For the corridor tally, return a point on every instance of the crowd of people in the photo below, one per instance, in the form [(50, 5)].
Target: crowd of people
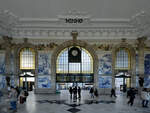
[(75, 92), (16, 96), (93, 92)]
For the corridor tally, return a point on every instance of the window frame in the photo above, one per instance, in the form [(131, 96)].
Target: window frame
[(75, 72), (20, 56), (129, 59)]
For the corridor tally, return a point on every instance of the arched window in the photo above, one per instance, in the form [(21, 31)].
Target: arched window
[(80, 71), (123, 59), (27, 59), (85, 66)]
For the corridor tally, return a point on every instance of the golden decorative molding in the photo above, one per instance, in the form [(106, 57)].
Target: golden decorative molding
[(47, 46), (105, 47)]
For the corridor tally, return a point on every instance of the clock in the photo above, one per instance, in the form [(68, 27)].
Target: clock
[(74, 52), (74, 55)]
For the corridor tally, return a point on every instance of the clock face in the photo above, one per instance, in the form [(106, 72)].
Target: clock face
[(74, 52)]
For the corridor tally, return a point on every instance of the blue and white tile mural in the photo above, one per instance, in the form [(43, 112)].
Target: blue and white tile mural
[(44, 59), (2, 62), (105, 81), (105, 64), (44, 82), (2, 81), (137, 63), (12, 63), (12, 80), (147, 81), (147, 64)]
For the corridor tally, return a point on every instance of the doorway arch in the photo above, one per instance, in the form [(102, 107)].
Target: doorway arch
[(130, 69), (81, 44)]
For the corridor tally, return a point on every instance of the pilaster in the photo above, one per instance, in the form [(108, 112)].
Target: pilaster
[(7, 46), (141, 45)]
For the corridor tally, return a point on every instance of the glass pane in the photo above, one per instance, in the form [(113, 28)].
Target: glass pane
[(122, 59), (27, 59), (86, 65)]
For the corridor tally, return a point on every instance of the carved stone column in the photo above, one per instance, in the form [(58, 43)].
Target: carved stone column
[(113, 68), (141, 46), (16, 74), (7, 46)]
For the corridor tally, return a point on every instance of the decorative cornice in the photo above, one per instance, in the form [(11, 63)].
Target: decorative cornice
[(84, 32), (60, 29), (141, 21), (7, 22)]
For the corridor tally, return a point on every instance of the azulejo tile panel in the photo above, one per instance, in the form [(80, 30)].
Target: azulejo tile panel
[(2, 62), (12, 80), (137, 63), (147, 81), (12, 63), (44, 81), (105, 64), (147, 64), (44, 61), (2, 81), (105, 81)]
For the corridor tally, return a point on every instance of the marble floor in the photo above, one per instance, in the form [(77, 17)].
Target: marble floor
[(61, 103)]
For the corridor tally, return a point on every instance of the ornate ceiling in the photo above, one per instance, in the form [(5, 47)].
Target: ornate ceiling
[(55, 19)]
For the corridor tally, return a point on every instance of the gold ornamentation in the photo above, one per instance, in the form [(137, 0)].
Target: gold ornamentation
[(106, 47), (48, 46)]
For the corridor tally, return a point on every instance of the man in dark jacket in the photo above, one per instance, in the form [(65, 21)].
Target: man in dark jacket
[(79, 92), (70, 91), (132, 96), (113, 92)]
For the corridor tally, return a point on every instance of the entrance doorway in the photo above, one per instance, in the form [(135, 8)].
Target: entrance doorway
[(65, 86), (27, 81), (122, 82), (74, 68)]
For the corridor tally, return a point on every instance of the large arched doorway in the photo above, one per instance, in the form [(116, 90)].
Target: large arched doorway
[(122, 65), (81, 45), (27, 68), (74, 66)]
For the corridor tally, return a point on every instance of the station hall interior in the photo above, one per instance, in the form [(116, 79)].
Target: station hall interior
[(75, 56)]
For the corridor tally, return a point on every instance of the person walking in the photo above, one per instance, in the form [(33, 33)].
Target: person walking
[(113, 92), (70, 91), (148, 98), (92, 92), (145, 97), (75, 93), (96, 92), (79, 93), (132, 97), (13, 99), (129, 93), (22, 97), (18, 91), (1, 94)]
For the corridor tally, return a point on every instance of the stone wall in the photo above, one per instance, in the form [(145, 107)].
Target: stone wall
[(46, 55)]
